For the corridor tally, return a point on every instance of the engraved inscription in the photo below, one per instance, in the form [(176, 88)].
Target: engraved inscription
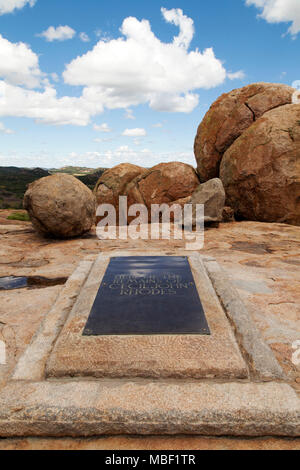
[(167, 284), (142, 295)]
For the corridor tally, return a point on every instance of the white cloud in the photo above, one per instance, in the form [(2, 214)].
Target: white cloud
[(95, 159), (8, 6), (138, 68), (18, 64), (158, 125), (185, 24), (4, 129), (167, 102), (240, 75), (45, 107), (277, 11), (61, 33), (124, 153), (84, 37), (102, 128), (131, 70), (134, 132)]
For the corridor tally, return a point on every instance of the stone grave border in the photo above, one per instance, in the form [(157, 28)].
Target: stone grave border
[(262, 405), (149, 356)]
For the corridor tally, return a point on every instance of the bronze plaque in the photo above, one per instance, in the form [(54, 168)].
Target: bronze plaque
[(147, 295)]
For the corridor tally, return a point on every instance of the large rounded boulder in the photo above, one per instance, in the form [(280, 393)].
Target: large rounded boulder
[(164, 183), (60, 206), (261, 169), (113, 182), (231, 115)]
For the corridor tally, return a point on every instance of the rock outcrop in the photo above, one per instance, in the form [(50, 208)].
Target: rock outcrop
[(261, 169), (163, 184), (60, 206), (231, 115)]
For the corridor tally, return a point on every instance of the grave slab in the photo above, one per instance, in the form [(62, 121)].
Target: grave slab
[(147, 295), (173, 355)]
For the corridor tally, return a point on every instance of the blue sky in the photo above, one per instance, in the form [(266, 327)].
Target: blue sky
[(94, 83)]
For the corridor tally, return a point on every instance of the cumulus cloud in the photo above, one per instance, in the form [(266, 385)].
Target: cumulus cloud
[(185, 24), (277, 11), (61, 33), (134, 132), (102, 127), (8, 6), (46, 107), (138, 68), (18, 64)]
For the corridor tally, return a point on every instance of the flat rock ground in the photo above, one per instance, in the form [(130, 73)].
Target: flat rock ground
[(262, 260)]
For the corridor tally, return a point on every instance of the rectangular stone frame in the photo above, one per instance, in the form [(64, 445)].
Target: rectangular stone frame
[(185, 356)]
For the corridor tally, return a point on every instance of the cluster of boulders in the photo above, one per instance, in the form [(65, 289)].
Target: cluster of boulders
[(247, 150), (250, 139), (166, 183)]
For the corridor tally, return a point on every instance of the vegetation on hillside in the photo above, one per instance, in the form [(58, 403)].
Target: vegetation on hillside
[(13, 184), (91, 179), (14, 181)]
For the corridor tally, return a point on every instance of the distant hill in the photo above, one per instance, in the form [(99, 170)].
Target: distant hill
[(73, 170), (91, 179), (14, 181), (13, 184)]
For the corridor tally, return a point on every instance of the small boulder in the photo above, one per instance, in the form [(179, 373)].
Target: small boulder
[(212, 195), (228, 214), (261, 170), (60, 205), (231, 115)]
